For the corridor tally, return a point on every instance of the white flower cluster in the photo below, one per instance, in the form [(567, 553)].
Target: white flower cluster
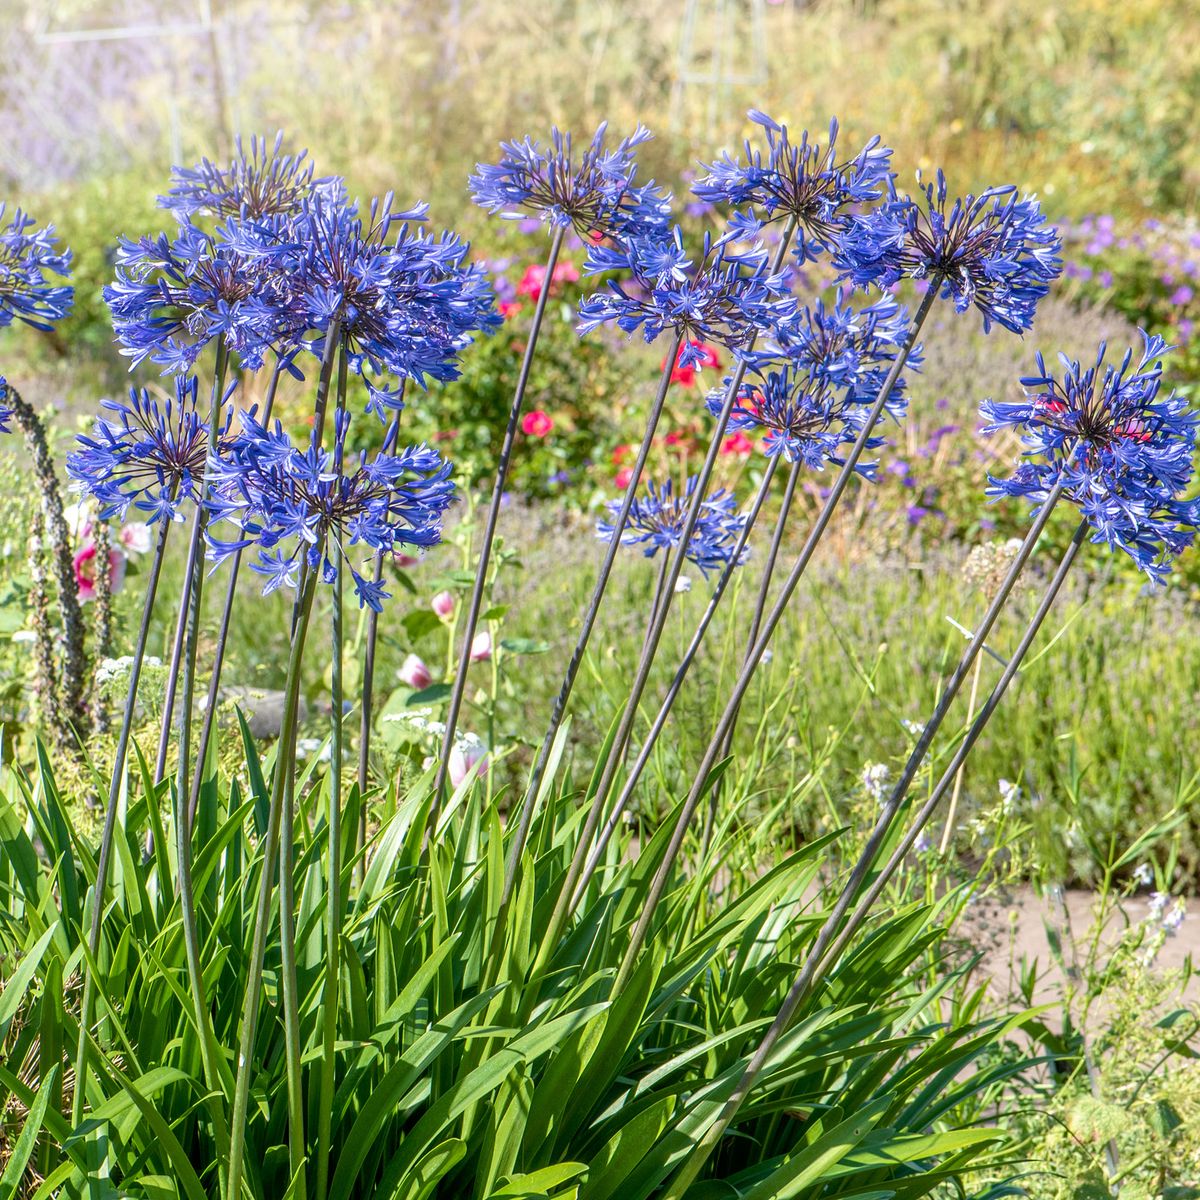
[(112, 669), (874, 780)]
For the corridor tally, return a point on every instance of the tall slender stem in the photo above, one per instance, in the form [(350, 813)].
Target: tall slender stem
[(822, 953), (214, 683), (368, 686), (493, 516), (700, 784), (104, 861), (952, 811), (329, 999), (643, 758), (192, 582), (589, 622), (284, 770), (760, 605)]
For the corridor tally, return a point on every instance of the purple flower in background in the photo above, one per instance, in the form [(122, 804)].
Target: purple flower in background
[(657, 518), (150, 456), (722, 295), (993, 251), (297, 507), (5, 412), (594, 194), (803, 180), (259, 182), (28, 257), (1125, 453)]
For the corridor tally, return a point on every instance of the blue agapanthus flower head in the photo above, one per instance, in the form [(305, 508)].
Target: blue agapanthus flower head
[(994, 251), (657, 519), (850, 348), (28, 259), (297, 506), (804, 180), (259, 181), (173, 296), (810, 389), (147, 455), (593, 193), (5, 411), (405, 302), (1125, 452), (721, 295)]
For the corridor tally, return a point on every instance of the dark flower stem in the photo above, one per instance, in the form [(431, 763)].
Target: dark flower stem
[(493, 516), (709, 761), (589, 622), (71, 679), (104, 860), (189, 601), (284, 772), (823, 953), (643, 758), (368, 685), (760, 606), (656, 601), (332, 974), (214, 683)]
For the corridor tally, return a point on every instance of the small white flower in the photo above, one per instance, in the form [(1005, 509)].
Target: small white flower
[(1173, 919), (25, 636), (1009, 793), (874, 780), (1158, 904), (1143, 875), (767, 655), (915, 728), (682, 584)]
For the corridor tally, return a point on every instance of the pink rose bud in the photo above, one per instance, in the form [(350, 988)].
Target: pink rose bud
[(481, 647), (415, 673), (463, 759), (443, 605)]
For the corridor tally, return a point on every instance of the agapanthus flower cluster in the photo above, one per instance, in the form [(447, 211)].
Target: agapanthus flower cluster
[(722, 295), (994, 251), (802, 180), (257, 183), (296, 507), (6, 412), (657, 518), (405, 301), (28, 257), (596, 195), (150, 456), (174, 295), (1124, 452), (809, 391)]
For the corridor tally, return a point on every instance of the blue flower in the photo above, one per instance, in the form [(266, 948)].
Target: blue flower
[(406, 301), (594, 196), (297, 507), (656, 521), (257, 183), (6, 413), (173, 296), (804, 181), (1124, 452), (723, 295), (26, 259), (151, 456), (811, 387), (994, 251)]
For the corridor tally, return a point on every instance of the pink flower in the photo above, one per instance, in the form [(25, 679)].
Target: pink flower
[(624, 475), (404, 560), (85, 571), (443, 605), (464, 758), (565, 272), (737, 443), (509, 308), (135, 538), (537, 423), (415, 673), (481, 647)]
